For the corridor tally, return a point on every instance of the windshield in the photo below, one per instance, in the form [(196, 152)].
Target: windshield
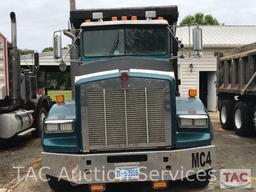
[(132, 40)]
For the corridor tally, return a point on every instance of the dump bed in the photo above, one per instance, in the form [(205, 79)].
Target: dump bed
[(3, 67), (237, 71)]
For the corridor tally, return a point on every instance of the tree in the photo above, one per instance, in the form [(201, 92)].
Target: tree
[(200, 19), (47, 49), (26, 51)]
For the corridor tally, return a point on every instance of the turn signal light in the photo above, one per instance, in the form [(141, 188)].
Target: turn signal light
[(160, 185), (97, 188), (192, 92), (60, 99)]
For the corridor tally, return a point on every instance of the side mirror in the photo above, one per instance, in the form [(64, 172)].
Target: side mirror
[(57, 45), (197, 39)]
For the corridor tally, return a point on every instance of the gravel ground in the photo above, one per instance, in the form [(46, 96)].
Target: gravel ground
[(231, 152), (19, 152)]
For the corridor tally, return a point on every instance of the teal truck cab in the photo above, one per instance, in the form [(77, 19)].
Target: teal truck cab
[(126, 122)]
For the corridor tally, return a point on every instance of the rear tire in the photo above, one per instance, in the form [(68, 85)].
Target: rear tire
[(225, 114), (58, 185), (243, 119)]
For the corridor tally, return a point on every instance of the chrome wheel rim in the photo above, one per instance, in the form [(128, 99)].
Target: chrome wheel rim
[(41, 121), (223, 114), (238, 119)]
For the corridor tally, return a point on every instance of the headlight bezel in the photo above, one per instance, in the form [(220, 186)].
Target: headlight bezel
[(58, 128), (193, 119)]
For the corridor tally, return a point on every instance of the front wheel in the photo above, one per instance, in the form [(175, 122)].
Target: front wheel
[(58, 185), (200, 180), (242, 120), (254, 118), (40, 122)]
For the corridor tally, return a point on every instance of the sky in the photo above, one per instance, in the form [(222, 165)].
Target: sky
[(38, 19)]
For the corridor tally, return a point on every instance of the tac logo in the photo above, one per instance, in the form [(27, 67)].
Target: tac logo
[(235, 178)]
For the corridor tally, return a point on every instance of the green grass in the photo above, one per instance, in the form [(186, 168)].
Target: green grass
[(67, 94)]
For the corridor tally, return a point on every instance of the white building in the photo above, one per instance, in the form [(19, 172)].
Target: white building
[(200, 73)]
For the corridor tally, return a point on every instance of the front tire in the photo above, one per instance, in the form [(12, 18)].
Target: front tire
[(242, 120), (254, 118), (58, 185), (42, 114), (225, 114), (200, 180)]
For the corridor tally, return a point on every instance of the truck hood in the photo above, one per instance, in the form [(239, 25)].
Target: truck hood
[(122, 63)]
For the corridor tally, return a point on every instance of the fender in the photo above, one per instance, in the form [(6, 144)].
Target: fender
[(190, 106), (186, 138)]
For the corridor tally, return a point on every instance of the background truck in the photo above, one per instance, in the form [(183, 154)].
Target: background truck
[(236, 89), (23, 108), (126, 119)]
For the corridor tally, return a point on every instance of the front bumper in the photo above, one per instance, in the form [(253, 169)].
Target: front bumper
[(153, 165)]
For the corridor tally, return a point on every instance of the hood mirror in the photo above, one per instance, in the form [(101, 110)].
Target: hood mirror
[(63, 66)]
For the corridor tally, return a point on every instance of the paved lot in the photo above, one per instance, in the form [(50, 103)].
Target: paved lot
[(232, 152)]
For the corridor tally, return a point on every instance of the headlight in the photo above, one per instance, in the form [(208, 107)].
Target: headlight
[(193, 121), (59, 126)]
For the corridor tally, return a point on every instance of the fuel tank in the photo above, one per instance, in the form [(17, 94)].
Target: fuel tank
[(14, 122)]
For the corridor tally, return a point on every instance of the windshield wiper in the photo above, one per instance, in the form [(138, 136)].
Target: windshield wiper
[(115, 46)]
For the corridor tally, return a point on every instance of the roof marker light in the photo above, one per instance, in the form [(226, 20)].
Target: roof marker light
[(124, 18), (114, 18), (134, 18)]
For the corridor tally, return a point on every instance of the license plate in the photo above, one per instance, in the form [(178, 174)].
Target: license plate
[(127, 173)]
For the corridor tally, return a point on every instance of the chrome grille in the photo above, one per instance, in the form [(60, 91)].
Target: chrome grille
[(127, 118)]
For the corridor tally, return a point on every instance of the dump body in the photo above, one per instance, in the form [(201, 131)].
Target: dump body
[(4, 83), (236, 89), (236, 71)]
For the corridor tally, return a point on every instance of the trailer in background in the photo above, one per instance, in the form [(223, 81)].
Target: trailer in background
[(236, 89), (23, 106)]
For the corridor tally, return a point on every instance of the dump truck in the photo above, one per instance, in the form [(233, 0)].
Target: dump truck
[(236, 89), (23, 107), (126, 119)]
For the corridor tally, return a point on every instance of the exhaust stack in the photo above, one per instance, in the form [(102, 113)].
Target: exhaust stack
[(72, 5), (13, 29), (15, 61)]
